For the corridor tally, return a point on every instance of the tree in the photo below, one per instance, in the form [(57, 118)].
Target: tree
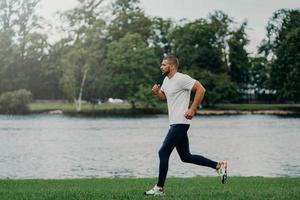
[(27, 22), (282, 22), (259, 75), (85, 50), (219, 87), (160, 38), (21, 17), (221, 23), (8, 10), (281, 47), (201, 43), (238, 58), (80, 61), (128, 17), (7, 59), (131, 64), (286, 68), (203, 49), (24, 47), (51, 73)]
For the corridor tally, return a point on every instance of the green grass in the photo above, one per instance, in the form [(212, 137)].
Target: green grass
[(94, 109), (177, 188), (125, 109), (68, 107)]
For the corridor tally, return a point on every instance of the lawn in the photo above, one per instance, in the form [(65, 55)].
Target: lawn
[(69, 107), (125, 108), (132, 188), (95, 109)]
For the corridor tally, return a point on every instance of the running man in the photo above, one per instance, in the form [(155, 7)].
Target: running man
[(176, 89)]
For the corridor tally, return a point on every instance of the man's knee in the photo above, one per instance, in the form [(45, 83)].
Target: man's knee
[(163, 153), (186, 158)]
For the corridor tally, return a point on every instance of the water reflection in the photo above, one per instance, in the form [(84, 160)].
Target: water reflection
[(43, 146)]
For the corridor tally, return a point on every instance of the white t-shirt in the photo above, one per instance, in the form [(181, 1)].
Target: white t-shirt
[(178, 92)]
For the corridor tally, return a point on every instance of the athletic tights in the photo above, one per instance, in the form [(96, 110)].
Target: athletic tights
[(177, 137)]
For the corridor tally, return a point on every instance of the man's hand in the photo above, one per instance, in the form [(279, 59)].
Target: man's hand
[(157, 92), (190, 113), (156, 89), (200, 91)]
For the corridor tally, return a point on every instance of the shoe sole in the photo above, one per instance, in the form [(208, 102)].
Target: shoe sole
[(154, 194), (162, 194), (224, 178)]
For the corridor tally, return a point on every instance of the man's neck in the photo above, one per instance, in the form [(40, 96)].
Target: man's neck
[(171, 74)]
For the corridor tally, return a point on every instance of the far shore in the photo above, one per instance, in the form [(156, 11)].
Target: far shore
[(247, 112), (107, 109), (199, 112)]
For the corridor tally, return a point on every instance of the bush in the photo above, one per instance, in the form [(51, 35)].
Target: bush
[(15, 102), (219, 87)]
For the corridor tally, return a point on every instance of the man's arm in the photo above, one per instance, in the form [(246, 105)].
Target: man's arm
[(157, 92), (199, 94)]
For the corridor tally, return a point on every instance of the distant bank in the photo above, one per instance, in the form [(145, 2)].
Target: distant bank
[(248, 112), (109, 109)]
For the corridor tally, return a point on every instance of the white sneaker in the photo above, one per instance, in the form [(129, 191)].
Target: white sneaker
[(222, 171), (155, 191)]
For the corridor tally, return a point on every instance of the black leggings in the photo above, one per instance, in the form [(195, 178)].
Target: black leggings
[(177, 137)]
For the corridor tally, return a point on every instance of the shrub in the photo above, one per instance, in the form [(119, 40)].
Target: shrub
[(15, 102)]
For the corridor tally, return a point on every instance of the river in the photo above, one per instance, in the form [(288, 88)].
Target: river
[(57, 146)]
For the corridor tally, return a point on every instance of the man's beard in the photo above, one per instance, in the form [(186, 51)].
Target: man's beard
[(165, 72)]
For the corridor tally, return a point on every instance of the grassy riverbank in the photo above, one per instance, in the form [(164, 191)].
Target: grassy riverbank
[(94, 109), (177, 188), (125, 108), (255, 107)]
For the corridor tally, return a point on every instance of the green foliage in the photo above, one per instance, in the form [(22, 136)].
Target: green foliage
[(282, 22), (260, 81), (215, 54), (131, 64), (260, 73), (192, 43), (219, 87), (286, 68), (98, 58), (201, 43), (145, 96), (129, 18), (7, 59), (23, 48), (82, 62), (15, 102), (282, 46), (238, 57), (160, 38)]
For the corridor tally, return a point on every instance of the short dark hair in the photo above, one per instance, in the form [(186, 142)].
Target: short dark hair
[(172, 58)]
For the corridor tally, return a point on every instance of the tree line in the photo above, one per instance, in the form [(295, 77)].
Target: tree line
[(116, 52)]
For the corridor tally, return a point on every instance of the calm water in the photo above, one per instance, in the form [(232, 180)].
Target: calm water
[(44, 146)]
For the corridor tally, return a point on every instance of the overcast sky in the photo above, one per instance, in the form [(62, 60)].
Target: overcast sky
[(256, 12)]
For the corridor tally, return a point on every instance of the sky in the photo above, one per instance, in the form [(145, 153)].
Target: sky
[(256, 12)]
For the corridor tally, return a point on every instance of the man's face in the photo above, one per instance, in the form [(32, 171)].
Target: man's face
[(165, 67)]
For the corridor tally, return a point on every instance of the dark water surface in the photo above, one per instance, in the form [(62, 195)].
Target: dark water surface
[(45, 146)]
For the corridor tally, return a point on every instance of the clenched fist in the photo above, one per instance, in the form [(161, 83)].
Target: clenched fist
[(155, 89)]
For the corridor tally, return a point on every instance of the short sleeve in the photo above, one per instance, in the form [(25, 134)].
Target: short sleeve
[(186, 82), (162, 88)]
